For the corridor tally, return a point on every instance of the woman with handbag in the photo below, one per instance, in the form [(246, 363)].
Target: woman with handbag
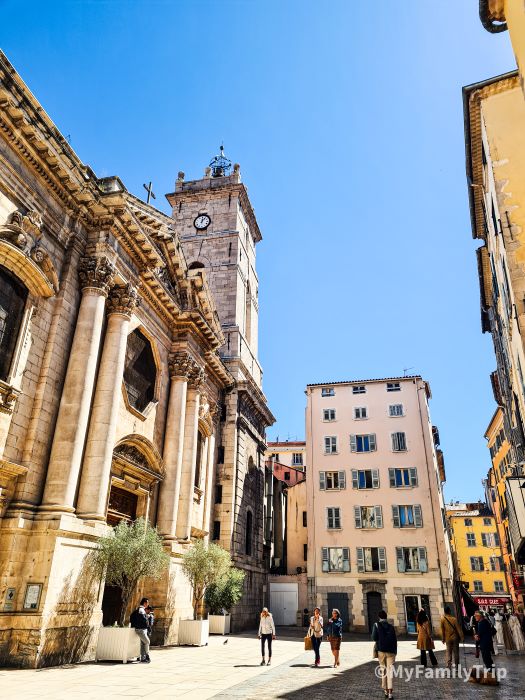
[(335, 634), (424, 639), (316, 633)]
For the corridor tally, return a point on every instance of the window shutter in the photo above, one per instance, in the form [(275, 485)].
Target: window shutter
[(337, 518), (395, 515), (372, 442), (481, 566), (325, 558), (346, 559), (484, 539), (496, 539), (342, 480), (423, 564), (375, 478), (394, 442), (322, 480), (353, 443), (360, 559), (392, 477), (357, 516), (400, 559), (379, 516), (418, 516), (413, 476), (381, 553), (355, 479), (328, 517)]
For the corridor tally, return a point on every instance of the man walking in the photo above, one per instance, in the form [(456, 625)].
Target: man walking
[(139, 620), (484, 637), (384, 635), (451, 636)]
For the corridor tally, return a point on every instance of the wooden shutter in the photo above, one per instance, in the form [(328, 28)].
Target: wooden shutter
[(392, 477), (379, 516), (400, 559), (353, 443), (357, 516), (395, 516), (423, 564), (418, 516), (342, 480), (329, 518), (322, 480), (325, 559), (372, 442), (375, 478), (394, 442), (355, 479), (360, 559), (381, 553), (346, 559), (413, 476), (337, 518)]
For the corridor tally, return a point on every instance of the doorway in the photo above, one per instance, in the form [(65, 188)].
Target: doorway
[(373, 605), (111, 605), (413, 604), (340, 602)]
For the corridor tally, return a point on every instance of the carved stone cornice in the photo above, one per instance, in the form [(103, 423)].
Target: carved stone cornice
[(8, 397), (123, 299), (196, 378), (96, 273), (181, 364)]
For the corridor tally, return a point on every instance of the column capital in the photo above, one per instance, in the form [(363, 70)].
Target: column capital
[(181, 364), (123, 299), (196, 378), (96, 273)]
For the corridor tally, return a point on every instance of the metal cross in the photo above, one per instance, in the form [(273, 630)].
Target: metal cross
[(149, 191)]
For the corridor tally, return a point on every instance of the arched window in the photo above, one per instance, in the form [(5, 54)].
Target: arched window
[(140, 371), (196, 265), (13, 295), (249, 532), (198, 465), (248, 314)]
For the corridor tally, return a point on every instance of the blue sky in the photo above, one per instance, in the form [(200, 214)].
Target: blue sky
[(346, 118)]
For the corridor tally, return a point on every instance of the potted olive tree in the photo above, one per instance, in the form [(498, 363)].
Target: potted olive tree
[(203, 565), (127, 554), (220, 597)]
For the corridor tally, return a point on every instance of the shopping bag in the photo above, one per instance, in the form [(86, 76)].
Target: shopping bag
[(308, 646)]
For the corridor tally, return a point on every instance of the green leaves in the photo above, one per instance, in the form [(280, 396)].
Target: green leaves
[(226, 592), (203, 565)]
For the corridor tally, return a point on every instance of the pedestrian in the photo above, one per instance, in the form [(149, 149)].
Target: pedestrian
[(334, 630), (150, 614), (474, 628), (424, 639), (316, 630), (517, 634), (266, 634), (139, 620), (484, 638), (385, 638), (451, 636)]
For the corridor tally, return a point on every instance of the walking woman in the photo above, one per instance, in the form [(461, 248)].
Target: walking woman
[(335, 634), (316, 630), (266, 634), (424, 639)]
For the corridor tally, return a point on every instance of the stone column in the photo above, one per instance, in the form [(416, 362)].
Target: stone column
[(180, 366), (189, 457), (96, 277), (210, 467), (96, 468)]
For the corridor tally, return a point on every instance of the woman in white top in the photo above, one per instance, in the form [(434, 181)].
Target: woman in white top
[(266, 633), (316, 632)]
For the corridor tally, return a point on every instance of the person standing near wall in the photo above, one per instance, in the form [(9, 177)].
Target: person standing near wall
[(385, 638), (451, 636)]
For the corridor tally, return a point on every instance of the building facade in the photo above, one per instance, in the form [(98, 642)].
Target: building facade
[(289, 453), (121, 393), (376, 524), (476, 549)]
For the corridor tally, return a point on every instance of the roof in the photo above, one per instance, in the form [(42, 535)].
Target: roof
[(287, 443), (368, 381)]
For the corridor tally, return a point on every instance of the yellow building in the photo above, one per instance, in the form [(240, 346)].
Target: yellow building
[(499, 15), (477, 553)]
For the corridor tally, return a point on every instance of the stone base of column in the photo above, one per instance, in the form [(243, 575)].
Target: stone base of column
[(50, 512)]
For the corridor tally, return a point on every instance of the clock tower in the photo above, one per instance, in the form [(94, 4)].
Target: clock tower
[(216, 225)]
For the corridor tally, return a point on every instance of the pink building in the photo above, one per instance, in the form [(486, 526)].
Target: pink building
[(290, 475)]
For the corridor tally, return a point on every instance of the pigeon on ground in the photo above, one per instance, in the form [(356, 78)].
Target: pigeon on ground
[(225, 641)]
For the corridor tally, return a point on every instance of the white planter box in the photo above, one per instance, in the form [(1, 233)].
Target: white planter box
[(193, 632), (117, 644), (219, 624)]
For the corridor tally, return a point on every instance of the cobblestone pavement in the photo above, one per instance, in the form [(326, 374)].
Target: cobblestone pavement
[(229, 669)]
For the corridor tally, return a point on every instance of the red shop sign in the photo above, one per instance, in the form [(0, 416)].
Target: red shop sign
[(483, 600)]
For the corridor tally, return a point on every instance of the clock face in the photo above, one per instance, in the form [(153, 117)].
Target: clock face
[(202, 221)]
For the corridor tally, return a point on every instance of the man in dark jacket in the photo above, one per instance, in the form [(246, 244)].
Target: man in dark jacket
[(484, 637), (139, 620), (384, 635)]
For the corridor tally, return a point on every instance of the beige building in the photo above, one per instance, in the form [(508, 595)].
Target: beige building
[(290, 453), (296, 529), (129, 384), (376, 525)]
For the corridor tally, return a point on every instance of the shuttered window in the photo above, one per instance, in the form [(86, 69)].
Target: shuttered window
[(407, 516), (368, 517), (335, 559), (363, 443), (399, 442), (411, 559), (371, 559), (365, 478), (330, 445), (333, 518), (402, 477), (332, 481)]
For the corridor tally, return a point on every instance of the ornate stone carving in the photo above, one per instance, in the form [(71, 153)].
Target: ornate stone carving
[(181, 364), (123, 300), (131, 454), (96, 273), (8, 397), (196, 378)]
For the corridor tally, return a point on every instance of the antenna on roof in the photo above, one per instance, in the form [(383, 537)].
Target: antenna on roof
[(405, 370)]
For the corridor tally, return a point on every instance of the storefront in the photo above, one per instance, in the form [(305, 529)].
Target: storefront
[(413, 604), (493, 602)]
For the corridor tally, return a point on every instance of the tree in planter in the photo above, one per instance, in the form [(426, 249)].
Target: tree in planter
[(127, 554), (203, 565), (223, 594)]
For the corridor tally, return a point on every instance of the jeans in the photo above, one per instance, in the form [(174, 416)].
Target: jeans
[(316, 643), (452, 650), (433, 659), (144, 642), (266, 638), (386, 661)]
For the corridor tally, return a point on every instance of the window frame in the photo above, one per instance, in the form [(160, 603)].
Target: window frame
[(393, 386), (329, 411), (327, 391), (360, 409), (397, 441), (333, 438), (333, 518), (396, 415)]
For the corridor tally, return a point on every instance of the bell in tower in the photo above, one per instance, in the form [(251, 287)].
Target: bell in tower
[(220, 165)]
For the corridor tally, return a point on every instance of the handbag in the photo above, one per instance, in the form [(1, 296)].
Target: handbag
[(308, 646)]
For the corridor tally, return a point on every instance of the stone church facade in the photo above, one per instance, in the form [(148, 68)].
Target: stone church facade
[(129, 384)]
